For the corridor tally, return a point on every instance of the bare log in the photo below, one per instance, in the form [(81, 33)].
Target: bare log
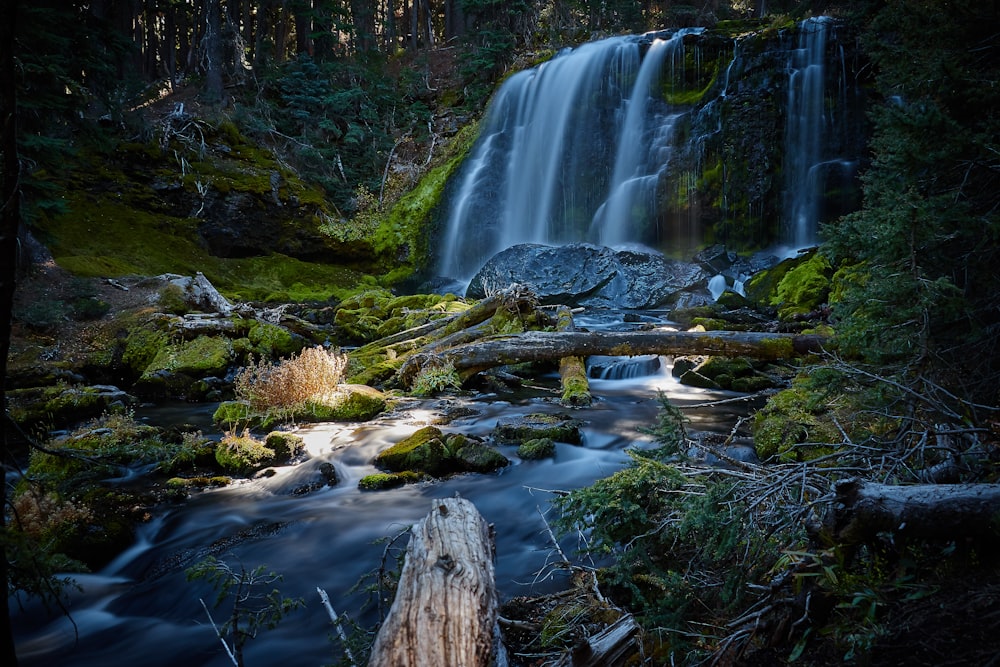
[(445, 609), (929, 511), (471, 358), (609, 648)]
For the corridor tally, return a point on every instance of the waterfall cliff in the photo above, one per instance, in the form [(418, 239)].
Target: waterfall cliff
[(670, 140)]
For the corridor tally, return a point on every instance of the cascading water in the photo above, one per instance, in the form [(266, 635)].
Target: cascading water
[(667, 140), (637, 171), (556, 141), (808, 126)]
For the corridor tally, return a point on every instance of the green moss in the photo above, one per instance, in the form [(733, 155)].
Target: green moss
[(384, 480), (423, 451), (575, 385), (752, 383), (537, 425), (243, 454), (285, 446), (205, 355), (788, 421), (270, 340), (693, 378), (474, 456), (402, 238), (352, 402), (142, 345), (804, 288), (538, 448)]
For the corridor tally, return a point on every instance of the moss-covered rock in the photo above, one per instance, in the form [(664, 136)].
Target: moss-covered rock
[(270, 341), (423, 451), (351, 402), (391, 480), (515, 430), (794, 426), (286, 446), (176, 366), (64, 405), (473, 455), (693, 378), (804, 288), (243, 454), (538, 448)]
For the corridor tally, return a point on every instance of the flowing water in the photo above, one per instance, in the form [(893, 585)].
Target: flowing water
[(570, 151), (142, 610)]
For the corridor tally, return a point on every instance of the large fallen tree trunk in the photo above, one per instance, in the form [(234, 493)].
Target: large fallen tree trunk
[(471, 358), (947, 511), (445, 610)]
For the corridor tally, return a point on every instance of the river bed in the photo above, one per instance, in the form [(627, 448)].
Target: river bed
[(141, 609)]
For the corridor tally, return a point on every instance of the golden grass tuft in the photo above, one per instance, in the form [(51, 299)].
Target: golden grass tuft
[(313, 373)]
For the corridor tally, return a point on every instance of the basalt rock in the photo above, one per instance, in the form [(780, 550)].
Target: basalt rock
[(583, 274)]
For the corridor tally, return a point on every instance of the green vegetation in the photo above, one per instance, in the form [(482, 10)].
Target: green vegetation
[(537, 448), (243, 454), (249, 606)]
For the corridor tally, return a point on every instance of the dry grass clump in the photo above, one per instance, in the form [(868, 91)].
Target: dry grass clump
[(313, 373), (38, 515)]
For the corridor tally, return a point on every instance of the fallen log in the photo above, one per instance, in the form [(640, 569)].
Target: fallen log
[(492, 351), (613, 646), (927, 511), (445, 609), (572, 370)]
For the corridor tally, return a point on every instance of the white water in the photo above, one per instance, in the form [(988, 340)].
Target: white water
[(570, 151), (805, 133), (640, 158)]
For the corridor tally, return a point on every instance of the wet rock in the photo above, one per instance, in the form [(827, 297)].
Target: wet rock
[(582, 274), (516, 430)]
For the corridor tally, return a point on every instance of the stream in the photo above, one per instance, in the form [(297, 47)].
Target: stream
[(141, 609)]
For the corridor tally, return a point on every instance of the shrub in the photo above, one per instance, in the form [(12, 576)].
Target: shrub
[(314, 372), (434, 379)]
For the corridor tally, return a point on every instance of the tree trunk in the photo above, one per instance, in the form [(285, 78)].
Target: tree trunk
[(474, 357), (927, 511), (10, 218), (213, 52), (445, 610)]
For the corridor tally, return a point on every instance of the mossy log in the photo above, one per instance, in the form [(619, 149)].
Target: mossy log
[(572, 370), (445, 610), (472, 358), (466, 327), (925, 511)]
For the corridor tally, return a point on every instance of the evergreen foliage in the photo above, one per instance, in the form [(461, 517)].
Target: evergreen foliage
[(919, 288)]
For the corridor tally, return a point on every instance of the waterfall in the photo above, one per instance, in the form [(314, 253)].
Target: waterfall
[(556, 141), (634, 179), (644, 139), (804, 133)]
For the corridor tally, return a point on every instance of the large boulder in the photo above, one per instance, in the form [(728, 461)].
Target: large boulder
[(583, 274)]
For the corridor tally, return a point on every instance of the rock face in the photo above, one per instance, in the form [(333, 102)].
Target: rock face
[(583, 274)]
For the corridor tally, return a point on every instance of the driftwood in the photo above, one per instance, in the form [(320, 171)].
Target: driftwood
[(445, 610), (609, 648), (471, 358), (947, 511)]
